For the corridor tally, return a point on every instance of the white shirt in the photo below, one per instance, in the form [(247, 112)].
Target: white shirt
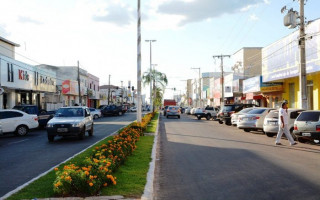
[(284, 114)]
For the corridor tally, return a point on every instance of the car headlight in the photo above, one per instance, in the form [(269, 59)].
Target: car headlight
[(49, 125), (76, 125)]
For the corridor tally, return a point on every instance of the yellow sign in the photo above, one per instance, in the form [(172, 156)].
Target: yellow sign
[(273, 88)]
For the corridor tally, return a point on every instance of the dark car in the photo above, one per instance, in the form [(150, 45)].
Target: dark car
[(224, 115), (43, 115), (112, 110), (70, 121), (165, 110)]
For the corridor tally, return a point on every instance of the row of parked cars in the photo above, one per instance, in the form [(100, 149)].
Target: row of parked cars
[(304, 125)]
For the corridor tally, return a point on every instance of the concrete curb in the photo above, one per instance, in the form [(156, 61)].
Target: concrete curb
[(148, 189), (46, 172)]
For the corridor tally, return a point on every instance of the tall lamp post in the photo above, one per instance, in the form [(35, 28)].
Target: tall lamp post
[(139, 117), (150, 42)]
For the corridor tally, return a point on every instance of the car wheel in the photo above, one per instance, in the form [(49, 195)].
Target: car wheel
[(22, 130), (220, 122), (95, 116), (167, 116), (246, 130), (199, 118), (208, 117), (120, 113), (270, 134), (302, 140), (82, 133), (91, 130), (178, 117), (51, 138)]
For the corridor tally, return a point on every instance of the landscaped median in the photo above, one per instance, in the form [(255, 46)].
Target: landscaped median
[(116, 165)]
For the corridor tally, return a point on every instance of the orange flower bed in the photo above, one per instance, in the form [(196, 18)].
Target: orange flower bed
[(97, 169)]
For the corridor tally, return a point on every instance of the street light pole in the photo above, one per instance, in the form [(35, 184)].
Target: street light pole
[(139, 117), (150, 75), (303, 73)]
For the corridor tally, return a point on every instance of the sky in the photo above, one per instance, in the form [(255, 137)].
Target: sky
[(102, 34)]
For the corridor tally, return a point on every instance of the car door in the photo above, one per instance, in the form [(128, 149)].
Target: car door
[(10, 120), (88, 119)]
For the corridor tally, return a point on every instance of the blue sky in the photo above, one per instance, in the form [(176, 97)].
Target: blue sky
[(101, 34)]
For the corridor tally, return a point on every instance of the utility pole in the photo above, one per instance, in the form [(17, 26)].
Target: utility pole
[(109, 90), (222, 76), (291, 21), (150, 75), (199, 90), (303, 73), (139, 64), (79, 89)]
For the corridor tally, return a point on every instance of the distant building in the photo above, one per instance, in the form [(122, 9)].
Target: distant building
[(7, 48)]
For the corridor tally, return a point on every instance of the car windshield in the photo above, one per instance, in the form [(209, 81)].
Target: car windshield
[(256, 111), (273, 114), (227, 108), (173, 108), (69, 112), (246, 110), (309, 116)]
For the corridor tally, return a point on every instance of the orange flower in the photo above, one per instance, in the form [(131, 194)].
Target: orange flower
[(56, 169), (91, 184), (105, 184)]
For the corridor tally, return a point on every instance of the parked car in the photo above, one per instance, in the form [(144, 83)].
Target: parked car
[(18, 122), (224, 115), (173, 111), (112, 110), (70, 121), (96, 113), (165, 110), (234, 116), (307, 126), (253, 120), (207, 112), (133, 109), (188, 109), (43, 115), (192, 111), (271, 122)]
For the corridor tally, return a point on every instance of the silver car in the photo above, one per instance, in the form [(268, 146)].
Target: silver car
[(307, 126), (271, 125), (234, 116), (253, 120), (173, 111)]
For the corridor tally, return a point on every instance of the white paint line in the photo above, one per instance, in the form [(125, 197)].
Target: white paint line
[(44, 173), (148, 189), (17, 142)]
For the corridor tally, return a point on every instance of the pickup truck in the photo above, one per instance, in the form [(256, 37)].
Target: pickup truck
[(112, 110), (43, 115)]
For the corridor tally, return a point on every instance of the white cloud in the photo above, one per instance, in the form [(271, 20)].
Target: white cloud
[(253, 17), (25, 19)]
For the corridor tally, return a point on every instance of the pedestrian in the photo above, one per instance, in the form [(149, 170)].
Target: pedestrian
[(283, 124)]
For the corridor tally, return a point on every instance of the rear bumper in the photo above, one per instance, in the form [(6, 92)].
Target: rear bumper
[(71, 131), (249, 125), (200, 114), (311, 135)]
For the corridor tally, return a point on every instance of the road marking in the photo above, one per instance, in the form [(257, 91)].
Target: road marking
[(17, 142)]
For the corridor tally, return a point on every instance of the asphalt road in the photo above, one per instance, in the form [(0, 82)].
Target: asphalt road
[(23, 158), (204, 160)]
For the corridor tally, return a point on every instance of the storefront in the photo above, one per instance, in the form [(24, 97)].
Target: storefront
[(284, 67), (25, 84), (252, 91)]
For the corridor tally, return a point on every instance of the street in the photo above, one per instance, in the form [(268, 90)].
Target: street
[(24, 158), (200, 159)]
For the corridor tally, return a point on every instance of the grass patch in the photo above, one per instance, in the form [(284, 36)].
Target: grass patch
[(152, 126), (43, 187), (132, 175)]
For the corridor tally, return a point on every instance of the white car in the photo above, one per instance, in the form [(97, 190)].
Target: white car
[(96, 113), (133, 109), (18, 122)]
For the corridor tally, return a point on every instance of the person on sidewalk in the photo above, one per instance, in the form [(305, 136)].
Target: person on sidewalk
[(283, 124)]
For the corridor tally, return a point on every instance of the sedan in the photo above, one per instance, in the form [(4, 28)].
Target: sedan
[(253, 120), (133, 109), (96, 113), (17, 121), (234, 116), (173, 111), (70, 121)]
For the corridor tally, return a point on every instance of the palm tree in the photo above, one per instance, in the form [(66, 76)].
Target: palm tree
[(156, 78), (157, 101)]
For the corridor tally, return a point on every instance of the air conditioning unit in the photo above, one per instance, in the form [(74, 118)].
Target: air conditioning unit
[(291, 19)]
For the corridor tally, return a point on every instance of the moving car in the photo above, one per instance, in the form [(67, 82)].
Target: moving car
[(253, 120), (224, 115), (307, 126), (112, 110), (18, 122), (234, 116), (70, 121), (173, 111), (96, 113), (165, 110), (271, 121), (207, 112)]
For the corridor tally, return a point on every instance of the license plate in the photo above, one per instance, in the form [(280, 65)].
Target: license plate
[(273, 123), (306, 134), (62, 130), (245, 119)]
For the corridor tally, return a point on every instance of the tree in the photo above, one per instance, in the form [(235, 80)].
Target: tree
[(156, 78), (157, 101)]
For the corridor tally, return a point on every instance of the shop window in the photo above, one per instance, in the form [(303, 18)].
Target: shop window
[(90, 85)]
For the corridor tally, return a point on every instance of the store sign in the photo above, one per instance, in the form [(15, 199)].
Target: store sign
[(251, 84), (281, 59), (69, 87), (23, 75), (46, 80)]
